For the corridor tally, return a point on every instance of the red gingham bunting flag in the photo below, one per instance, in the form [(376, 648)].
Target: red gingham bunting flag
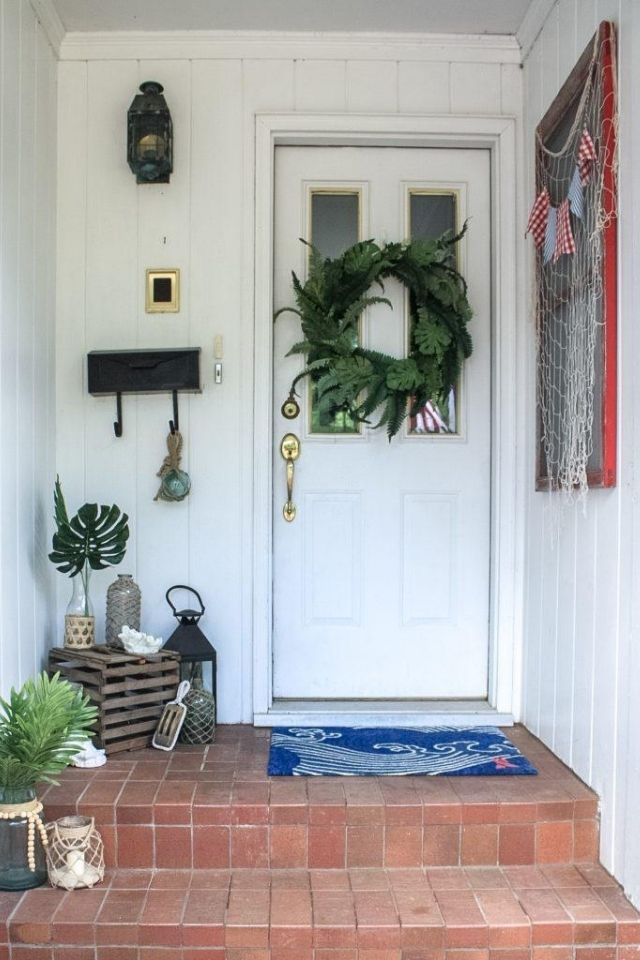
[(564, 236), (586, 156), (537, 223)]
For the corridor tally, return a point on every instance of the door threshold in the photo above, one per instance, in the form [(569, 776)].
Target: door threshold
[(383, 713)]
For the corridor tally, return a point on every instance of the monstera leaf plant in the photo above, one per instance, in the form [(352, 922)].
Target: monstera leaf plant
[(96, 537)]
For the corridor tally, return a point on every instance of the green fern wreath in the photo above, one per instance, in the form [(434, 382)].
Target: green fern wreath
[(359, 381)]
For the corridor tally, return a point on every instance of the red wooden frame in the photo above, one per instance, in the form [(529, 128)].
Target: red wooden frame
[(605, 474)]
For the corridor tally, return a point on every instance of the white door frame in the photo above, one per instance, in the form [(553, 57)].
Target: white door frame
[(505, 628)]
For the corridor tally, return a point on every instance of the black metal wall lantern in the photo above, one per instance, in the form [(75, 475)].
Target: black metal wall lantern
[(150, 135)]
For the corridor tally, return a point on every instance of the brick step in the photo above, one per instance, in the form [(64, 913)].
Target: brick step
[(555, 912), (215, 807)]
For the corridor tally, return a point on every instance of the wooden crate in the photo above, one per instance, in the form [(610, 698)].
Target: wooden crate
[(129, 691)]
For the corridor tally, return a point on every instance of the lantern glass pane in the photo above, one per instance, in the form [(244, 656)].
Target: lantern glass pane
[(151, 147)]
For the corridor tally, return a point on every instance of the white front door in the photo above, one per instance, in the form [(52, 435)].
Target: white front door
[(381, 583)]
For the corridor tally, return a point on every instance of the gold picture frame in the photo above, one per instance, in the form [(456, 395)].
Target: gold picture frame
[(162, 290)]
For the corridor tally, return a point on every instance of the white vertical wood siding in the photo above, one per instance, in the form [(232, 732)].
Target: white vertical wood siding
[(27, 312), (582, 669), (111, 229)]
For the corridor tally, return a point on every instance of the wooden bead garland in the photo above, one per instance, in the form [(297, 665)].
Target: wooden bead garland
[(31, 813)]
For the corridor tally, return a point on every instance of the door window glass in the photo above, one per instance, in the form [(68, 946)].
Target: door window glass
[(431, 213), (334, 227)]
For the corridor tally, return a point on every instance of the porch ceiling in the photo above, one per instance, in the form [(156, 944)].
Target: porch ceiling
[(432, 16)]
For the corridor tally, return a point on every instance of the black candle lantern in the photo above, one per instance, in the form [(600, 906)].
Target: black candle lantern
[(198, 666), (150, 135)]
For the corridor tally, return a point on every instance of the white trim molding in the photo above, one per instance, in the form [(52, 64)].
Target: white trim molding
[(225, 44), (498, 134), (48, 17), (534, 20)]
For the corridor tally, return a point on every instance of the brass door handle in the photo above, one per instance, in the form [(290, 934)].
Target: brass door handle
[(290, 451)]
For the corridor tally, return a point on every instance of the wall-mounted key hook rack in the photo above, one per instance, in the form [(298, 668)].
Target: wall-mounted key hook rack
[(144, 371)]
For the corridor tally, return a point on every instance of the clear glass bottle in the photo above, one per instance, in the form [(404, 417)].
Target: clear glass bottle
[(15, 873), (79, 621)]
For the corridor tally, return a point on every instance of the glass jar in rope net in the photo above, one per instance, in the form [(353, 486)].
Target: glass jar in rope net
[(200, 721)]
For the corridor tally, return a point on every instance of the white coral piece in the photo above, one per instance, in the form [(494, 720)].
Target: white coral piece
[(135, 642)]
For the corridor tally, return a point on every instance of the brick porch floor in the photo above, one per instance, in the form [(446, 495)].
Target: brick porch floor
[(211, 859)]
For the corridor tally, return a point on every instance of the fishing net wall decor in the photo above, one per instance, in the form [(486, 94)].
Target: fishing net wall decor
[(573, 225)]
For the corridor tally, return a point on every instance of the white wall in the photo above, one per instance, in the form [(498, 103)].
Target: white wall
[(582, 671), (27, 275), (111, 230)]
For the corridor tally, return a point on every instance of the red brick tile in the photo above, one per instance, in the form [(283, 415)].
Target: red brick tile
[(135, 802), (516, 843), (555, 810), (554, 842), (135, 846), (595, 953), (204, 879), (109, 834), (208, 953), (288, 813), (365, 846), (30, 922), (486, 878), (333, 814), (334, 920), (516, 812), (327, 845), (403, 846), (247, 920), (161, 917), (405, 815), (508, 924), (552, 953), (173, 847), (332, 881), (29, 952), (74, 919), (458, 954), (203, 921), (480, 813), (359, 815), (291, 920), (586, 838), (479, 844), (211, 847), (288, 845), (130, 879), (249, 846), (73, 953), (336, 955), (442, 813), (117, 922), (551, 924), (465, 926), (441, 845), (114, 953), (420, 918)]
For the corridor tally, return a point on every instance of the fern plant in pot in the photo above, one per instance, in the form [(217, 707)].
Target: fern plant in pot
[(42, 726), (96, 537)]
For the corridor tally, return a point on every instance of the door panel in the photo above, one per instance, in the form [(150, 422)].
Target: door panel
[(381, 583)]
